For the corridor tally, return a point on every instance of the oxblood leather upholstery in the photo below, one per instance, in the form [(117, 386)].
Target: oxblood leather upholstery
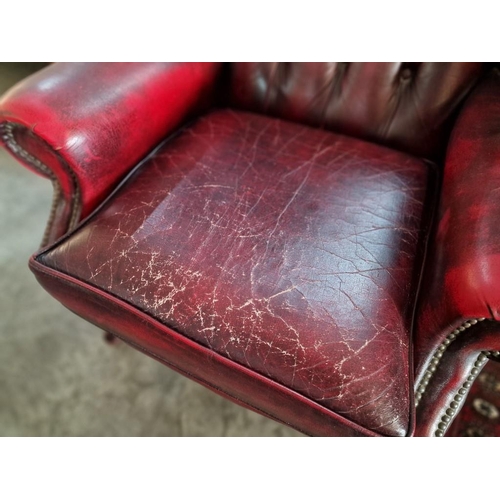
[(462, 281), (277, 264), (286, 249), (404, 105), (91, 123), (464, 275)]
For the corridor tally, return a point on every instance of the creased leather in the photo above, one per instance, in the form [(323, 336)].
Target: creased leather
[(403, 105), (101, 119), (286, 249)]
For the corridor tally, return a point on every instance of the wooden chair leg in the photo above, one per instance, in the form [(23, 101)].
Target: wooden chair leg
[(109, 338)]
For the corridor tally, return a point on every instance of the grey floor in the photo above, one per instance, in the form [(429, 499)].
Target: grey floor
[(57, 376)]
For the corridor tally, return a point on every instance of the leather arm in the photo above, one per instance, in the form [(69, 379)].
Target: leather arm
[(85, 125), (461, 284), (463, 271)]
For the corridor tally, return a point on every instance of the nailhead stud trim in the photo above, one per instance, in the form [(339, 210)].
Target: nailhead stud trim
[(438, 354), (447, 417), (7, 134)]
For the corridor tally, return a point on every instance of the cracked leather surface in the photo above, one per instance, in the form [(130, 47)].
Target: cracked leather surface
[(87, 119), (407, 106), (289, 250)]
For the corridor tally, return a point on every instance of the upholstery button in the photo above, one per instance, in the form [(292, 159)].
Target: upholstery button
[(406, 74)]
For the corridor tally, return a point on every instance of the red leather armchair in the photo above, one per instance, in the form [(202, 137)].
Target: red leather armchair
[(316, 242)]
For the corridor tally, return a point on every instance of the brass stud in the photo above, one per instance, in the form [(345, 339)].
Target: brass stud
[(439, 354), (454, 405), (445, 418), (442, 426), (450, 412), (458, 397), (438, 433)]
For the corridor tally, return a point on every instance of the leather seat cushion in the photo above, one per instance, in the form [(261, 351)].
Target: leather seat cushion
[(290, 251)]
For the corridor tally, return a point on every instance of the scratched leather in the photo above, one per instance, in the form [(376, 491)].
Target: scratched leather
[(287, 249), (408, 106), (462, 280)]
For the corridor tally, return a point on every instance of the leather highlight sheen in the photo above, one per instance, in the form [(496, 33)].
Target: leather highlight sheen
[(101, 119), (289, 250), (262, 227), (218, 373), (463, 274), (403, 105)]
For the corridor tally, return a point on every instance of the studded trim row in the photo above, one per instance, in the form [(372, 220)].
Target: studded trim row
[(436, 358), (7, 135), (454, 406)]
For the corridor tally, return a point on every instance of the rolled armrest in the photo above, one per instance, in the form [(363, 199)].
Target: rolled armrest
[(462, 280), (85, 125)]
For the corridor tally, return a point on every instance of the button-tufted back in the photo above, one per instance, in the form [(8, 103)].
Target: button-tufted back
[(404, 105)]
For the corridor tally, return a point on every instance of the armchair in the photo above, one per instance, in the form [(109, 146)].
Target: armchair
[(314, 241)]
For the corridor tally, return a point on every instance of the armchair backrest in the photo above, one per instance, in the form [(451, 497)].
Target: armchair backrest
[(408, 106)]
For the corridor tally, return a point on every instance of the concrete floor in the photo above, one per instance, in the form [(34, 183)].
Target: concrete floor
[(57, 376)]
